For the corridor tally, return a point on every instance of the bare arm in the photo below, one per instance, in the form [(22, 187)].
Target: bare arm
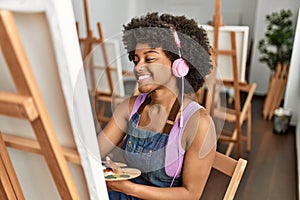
[(114, 131), (197, 165)]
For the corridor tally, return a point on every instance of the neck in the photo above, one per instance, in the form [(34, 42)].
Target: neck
[(164, 98)]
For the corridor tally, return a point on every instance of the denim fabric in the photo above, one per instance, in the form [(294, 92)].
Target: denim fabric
[(146, 151), (113, 195)]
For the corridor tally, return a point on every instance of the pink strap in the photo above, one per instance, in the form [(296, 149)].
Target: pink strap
[(139, 100), (174, 151)]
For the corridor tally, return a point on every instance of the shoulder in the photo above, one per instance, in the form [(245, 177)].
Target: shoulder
[(196, 111), (199, 128), (200, 119)]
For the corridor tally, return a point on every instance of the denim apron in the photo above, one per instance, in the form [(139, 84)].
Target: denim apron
[(146, 151)]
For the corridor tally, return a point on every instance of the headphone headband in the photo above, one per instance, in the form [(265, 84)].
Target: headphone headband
[(176, 37), (177, 41)]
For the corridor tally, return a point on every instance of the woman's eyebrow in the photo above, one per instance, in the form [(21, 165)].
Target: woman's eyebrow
[(147, 52), (151, 51)]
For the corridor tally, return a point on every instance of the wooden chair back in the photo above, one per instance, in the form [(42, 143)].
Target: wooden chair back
[(233, 168)]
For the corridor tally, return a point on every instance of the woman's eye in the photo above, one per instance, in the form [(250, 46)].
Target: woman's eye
[(136, 61), (149, 60)]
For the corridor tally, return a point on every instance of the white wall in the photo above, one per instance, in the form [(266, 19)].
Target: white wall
[(292, 95), (113, 14), (259, 72)]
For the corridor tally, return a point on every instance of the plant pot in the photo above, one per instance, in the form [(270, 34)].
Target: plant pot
[(281, 121)]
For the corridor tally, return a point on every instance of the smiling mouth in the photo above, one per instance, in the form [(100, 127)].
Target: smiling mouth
[(140, 78), (143, 78)]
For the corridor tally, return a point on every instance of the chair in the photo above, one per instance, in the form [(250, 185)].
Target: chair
[(232, 168)]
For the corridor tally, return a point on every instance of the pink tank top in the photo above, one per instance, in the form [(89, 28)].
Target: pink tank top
[(174, 151)]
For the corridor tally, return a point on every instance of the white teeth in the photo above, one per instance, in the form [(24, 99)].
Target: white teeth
[(143, 77)]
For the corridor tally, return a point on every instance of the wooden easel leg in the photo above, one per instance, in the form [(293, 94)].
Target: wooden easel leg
[(10, 187), (268, 99), (6, 189), (280, 88), (249, 124)]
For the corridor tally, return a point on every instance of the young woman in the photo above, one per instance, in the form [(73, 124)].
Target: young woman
[(164, 132)]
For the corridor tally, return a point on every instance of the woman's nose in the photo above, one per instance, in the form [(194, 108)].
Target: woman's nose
[(139, 67)]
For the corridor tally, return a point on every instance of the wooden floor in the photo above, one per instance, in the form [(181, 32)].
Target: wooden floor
[(271, 172)]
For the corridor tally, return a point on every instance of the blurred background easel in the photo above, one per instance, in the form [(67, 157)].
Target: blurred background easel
[(103, 77), (240, 111)]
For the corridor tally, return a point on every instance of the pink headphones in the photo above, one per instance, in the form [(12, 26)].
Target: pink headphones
[(179, 67)]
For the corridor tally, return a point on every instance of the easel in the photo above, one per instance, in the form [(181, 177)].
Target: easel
[(28, 104), (90, 40), (98, 96), (236, 115), (276, 90), (88, 43)]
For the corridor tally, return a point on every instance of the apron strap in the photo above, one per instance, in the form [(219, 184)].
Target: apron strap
[(172, 115)]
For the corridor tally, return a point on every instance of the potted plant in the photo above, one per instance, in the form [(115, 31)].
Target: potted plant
[(276, 47), (276, 50)]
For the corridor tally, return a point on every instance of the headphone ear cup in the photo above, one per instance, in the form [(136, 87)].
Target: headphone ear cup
[(180, 68)]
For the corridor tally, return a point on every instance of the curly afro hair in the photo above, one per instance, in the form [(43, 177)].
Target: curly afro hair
[(156, 31)]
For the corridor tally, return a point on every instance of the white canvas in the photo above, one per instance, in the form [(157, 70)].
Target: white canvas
[(225, 62), (48, 33)]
